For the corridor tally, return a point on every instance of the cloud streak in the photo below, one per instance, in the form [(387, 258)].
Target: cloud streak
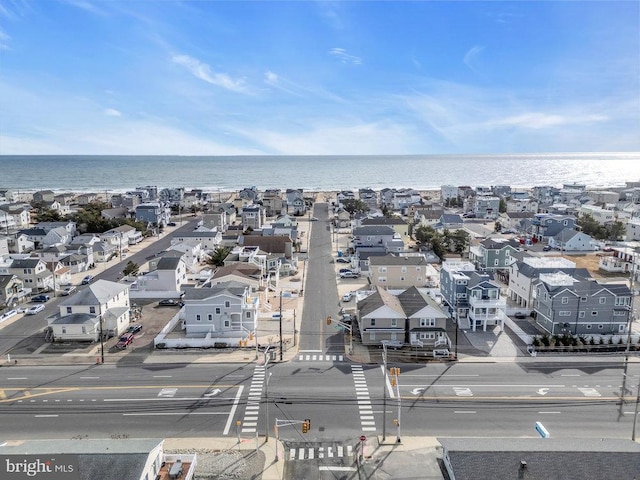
[(342, 55), (203, 72)]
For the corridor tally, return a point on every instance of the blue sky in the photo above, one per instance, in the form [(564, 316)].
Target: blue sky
[(318, 78)]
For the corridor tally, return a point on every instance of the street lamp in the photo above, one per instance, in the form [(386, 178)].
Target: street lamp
[(266, 393)]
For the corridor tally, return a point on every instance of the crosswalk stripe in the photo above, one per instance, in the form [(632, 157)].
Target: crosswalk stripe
[(292, 454), (311, 453), (349, 450), (340, 451)]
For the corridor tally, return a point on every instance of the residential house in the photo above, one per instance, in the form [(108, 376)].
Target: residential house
[(33, 272), (486, 206), (249, 195), (209, 240), (153, 213), (449, 194), (272, 202), (513, 220), (34, 236), (472, 299), (392, 271), (344, 195), (450, 221), (603, 216), (191, 253), (493, 254), (246, 273), (19, 212), (400, 225), (166, 280), (87, 198), (102, 306), (224, 311), (568, 305), (172, 196), (295, 202), (427, 217), (342, 218), (524, 273), (217, 221), (632, 233), (7, 222), (20, 243), (115, 213), (104, 251), (545, 225), (570, 240), (528, 205), (252, 216), (56, 236), (122, 236), (77, 262), (12, 291), (4, 246), (369, 197), (401, 317), (43, 196), (381, 238)]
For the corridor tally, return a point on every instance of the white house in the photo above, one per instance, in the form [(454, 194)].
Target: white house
[(102, 306), (165, 281), (571, 241)]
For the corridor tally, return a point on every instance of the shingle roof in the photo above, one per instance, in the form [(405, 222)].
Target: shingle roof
[(374, 230), (396, 260)]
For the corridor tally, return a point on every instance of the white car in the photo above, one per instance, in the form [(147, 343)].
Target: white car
[(347, 297), (33, 310), (68, 290)]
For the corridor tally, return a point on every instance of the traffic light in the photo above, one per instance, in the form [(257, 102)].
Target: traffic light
[(306, 425), (328, 320)]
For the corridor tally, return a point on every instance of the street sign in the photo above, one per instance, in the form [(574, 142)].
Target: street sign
[(363, 438)]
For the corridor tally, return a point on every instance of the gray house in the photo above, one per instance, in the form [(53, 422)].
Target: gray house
[(493, 254), (377, 237), (568, 305)]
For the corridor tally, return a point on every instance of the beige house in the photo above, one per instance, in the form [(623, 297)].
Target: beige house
[(400, 226), (392, 271), (400, 318)]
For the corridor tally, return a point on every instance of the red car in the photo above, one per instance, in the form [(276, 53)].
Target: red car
[(125, 340)]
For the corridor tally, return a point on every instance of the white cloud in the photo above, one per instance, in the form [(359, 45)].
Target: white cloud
[(470, 57), (271, 78), (203, 72), (539, 120), (112, 112), (342, 55)]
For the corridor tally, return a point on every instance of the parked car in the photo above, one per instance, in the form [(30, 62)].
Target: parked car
[(33, 310), (68, 290), (347, 297), (345, 270), (314, 219), (349, 274), (546, 248), (343, 260), (125, 340), (170, 302), (135, 328), (87, 280), (171, 224), (520, 315), (41, 298)]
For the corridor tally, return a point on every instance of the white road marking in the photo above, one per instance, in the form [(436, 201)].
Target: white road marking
[(89, 378), (160, 376), (463, 392), (151, 414), (548, 412), (232, 412), (324, 468), (45, 416), (168, 392), (464, 411), (16, 378)]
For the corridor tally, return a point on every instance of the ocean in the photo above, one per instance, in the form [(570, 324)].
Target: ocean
[(79, 173)]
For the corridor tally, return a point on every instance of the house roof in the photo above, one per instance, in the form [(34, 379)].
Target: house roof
[(6, 279), (584, 458), (373, 230), (96, 293), (391, 259), (236, 289), (500, 243), (451, 218), (34, 232), (243, 269), (383, 221), (25, 262), (267, 244), (76, 319), (169, 262), (125, 460)]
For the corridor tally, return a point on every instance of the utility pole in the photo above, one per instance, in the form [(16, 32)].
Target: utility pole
[(266, 393), (384, 392), (294, 328), (101, 341), (281, 352)]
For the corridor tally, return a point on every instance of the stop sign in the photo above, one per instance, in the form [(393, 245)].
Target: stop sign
[(363, 438)]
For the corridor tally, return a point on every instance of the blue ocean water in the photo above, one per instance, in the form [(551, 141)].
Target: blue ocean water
[(328, 173)]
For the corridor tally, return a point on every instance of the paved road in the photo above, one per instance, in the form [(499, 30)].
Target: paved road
[(343, 400), (22, 329)]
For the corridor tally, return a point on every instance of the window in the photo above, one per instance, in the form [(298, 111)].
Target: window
[(197, 317), (600, 327), (247, 314), (496, 262), (583, 299), (588, 326), (564, 313), (403, 270), (84, 329), (402, 279), (64, 329), (210, 317), (69, 309), (372, 335), (227, 304), (394, 322), (227, 323), (92, 309), (594, 313), (619, 313), (373, 322), (602, 300), (382, 269), (218, 310), (427, 322), (581, 314), (565, 300)]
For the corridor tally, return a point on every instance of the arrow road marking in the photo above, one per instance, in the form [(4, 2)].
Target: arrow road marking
[(212, 393), (463, 392), (542, 391), (417, 391), (167, 392)]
